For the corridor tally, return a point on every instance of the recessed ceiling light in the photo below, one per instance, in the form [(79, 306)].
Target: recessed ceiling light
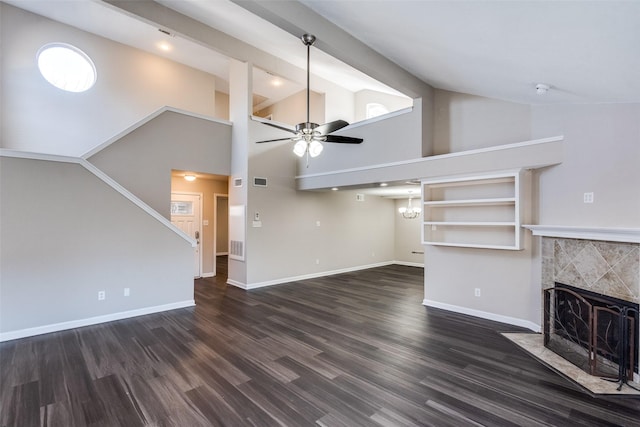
[(334, 189), (383, 184), (190, 178), (164, 46)]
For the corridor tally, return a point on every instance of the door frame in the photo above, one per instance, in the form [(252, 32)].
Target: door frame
[(217, 196), (200, 195)]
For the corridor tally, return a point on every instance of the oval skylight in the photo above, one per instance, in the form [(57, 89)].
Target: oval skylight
[(66, 67)]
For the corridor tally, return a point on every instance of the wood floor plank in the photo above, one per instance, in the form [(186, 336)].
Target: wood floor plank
[(353, 349)]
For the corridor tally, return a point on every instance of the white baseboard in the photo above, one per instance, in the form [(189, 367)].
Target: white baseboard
[(222, 253), (39, 330), (484, 315), (205, 275), (305, 276), (410, 264), (237, 284)]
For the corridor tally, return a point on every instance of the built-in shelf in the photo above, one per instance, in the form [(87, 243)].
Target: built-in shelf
[(480, 211), (477, 202), (610, 234)]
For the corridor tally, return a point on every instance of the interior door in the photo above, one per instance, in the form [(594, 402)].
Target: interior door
[(186, 215)]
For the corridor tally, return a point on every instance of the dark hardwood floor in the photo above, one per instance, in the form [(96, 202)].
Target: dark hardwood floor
[(355, 349)]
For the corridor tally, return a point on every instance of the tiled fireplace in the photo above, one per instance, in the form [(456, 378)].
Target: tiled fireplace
[(607, 268), (599, 261)]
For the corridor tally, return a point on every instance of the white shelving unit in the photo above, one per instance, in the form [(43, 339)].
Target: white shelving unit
[(480, 211)]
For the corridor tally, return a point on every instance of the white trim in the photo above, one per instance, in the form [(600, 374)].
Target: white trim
[(216, 196), (437, 157), (273, 122), (625, 235), (205, 275), (4, 152), (410, 264), (144, 121), (102, 176), (133, 198), (305, 276), (484, 315), (379, 118), (72, 324)]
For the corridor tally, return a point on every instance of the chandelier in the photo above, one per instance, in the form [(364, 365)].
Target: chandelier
[(409, 212)]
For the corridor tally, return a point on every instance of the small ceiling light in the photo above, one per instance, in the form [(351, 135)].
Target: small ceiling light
[(383, 184), (164, 46), (190, 178), (542, 88), (334, 189)]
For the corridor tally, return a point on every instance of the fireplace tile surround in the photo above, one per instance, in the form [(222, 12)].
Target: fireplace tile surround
[(608, 268), (601, 260)]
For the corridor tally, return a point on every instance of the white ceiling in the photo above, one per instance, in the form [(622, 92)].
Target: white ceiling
[(587, 51)]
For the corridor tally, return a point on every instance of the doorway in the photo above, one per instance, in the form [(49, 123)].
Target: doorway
[(221, 227), (186, 214)]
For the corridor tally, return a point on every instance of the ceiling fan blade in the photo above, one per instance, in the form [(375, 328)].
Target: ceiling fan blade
[(330, 127), (343, 139), (275, 125), (274, 140)]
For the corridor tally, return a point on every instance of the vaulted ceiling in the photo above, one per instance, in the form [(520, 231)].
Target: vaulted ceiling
[(586, 51)]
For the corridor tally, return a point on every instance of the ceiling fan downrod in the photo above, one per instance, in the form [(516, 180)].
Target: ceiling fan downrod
[(308, 40)]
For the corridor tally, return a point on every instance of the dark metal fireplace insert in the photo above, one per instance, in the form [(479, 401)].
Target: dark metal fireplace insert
[(595, 332)]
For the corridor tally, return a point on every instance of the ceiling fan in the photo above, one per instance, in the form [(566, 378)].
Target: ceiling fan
[(308, 136)]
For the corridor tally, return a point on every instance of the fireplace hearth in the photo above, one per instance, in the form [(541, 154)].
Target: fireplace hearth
[(595, 332)]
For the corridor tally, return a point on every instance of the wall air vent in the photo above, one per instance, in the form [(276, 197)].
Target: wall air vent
[(259, 182), (237, 182), (236, 249)]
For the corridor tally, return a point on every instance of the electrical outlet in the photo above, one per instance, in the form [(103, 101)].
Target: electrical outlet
[(256, 216), (126, 292), (477, 292), (101, 295), (588, 197)]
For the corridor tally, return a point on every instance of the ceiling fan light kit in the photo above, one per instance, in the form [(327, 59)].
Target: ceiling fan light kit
[(309, 136)]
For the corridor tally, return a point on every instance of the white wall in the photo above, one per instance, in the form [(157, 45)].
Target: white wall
[(392, 102), (385, 140), (293, 109), (142, 160), (408, 236), (602, 155), (602, 152), (351, 234), (210, 236), (66, 235), (131, 84), (466, 122)]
